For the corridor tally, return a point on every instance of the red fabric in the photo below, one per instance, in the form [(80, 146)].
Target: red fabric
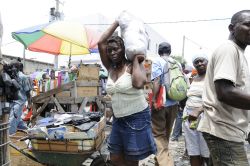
[(48, 44), (160, 100), (27, 114)]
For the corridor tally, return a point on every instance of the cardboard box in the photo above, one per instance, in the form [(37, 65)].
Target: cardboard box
[(79, 145), (87, 91), (100, 125), (76, 141), (63, 94), (99, 140), (89, 72), (59, 146)]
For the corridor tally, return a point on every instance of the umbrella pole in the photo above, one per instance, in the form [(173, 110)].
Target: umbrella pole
[(70, 56)]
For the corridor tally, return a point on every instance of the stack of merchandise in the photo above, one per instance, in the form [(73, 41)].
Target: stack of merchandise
[(68, 132), (44, 82)]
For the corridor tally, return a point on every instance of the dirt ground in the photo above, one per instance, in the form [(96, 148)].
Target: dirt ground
[(177, 149)]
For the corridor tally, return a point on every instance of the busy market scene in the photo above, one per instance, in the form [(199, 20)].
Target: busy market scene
[(124, 83)]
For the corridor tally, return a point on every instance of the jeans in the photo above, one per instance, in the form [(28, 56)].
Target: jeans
[(226, 153), (177, 132), (15, 117)]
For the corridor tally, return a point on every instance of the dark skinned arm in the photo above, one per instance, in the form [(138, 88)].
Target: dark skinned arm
[(102, 44), (229, 94), (138, 73), (194, 114)]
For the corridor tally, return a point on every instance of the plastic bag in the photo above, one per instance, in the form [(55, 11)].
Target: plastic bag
[(134, 35), (56, 133)]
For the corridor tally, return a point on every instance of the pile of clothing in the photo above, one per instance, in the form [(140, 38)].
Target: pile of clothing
[(67, 126)]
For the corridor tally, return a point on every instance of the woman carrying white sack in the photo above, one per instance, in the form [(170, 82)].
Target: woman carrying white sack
[(134, 35), (196, 145), (131, 137)]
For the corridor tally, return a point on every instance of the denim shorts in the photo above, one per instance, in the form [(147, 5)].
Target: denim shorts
[(226, 153), (132, 136)]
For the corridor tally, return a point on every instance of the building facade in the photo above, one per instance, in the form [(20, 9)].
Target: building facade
[(30, 65)]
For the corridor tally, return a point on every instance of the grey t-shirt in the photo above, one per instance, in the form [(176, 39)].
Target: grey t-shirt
[(222, 120)]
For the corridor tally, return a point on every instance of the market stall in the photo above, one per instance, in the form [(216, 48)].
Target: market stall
[(68, 118)]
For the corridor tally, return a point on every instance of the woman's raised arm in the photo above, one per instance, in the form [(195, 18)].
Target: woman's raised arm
[(102, 44), (138, 72)]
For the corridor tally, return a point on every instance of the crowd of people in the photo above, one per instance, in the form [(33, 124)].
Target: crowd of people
[(215, 112)]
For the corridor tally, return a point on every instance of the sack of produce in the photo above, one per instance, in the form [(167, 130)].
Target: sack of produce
[(134, 35)]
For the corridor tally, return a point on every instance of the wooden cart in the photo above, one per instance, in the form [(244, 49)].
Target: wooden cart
[(75, 95), (60, 152)]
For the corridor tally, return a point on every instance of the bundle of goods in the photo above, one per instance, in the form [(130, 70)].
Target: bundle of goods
[(134, 35), (68, 132)]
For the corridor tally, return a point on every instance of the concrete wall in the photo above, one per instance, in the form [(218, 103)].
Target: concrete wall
[(30, 65)]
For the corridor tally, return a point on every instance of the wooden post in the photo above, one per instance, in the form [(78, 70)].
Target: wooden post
[(59, 107), (74, 107), (4, 140), (81, 109), (39, 111), (183, 46), (4, 122)]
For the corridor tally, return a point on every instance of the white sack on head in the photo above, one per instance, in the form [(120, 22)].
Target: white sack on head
[(134, 35)]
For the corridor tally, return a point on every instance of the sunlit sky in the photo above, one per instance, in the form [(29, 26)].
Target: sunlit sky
[(19, 14)]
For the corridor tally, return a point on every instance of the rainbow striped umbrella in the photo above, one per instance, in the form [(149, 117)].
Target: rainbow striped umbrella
[(59, 37)]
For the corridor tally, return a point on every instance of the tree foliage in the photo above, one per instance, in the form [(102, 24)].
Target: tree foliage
[(179, 58)]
